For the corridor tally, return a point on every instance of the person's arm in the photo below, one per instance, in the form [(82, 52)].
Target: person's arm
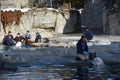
[(22, 38), (15, 38), (79, 48), (86, 47), (30, 36)]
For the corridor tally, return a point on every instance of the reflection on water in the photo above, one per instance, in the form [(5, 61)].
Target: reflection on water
[(60, 68), (75, 70), (82, 71)]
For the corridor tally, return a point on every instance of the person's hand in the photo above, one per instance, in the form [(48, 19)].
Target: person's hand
[(85, 52)]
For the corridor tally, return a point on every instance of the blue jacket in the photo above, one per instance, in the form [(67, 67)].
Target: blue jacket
[(8, 41), (28, 36)]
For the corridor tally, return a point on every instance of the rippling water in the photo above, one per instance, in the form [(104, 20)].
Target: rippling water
[(60, 68)]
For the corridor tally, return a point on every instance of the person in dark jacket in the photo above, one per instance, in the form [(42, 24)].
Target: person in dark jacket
[(82, 48), (8, 39), (38, 37), (19, 40)]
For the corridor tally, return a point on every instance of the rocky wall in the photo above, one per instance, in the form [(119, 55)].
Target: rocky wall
[(92, 14), (107, 21), (14, 3), (45, 20), (114, 25), (111, 18)]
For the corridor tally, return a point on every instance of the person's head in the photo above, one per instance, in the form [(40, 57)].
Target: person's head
[(9, 32), (27, 32), (37, 33), (18, 34), (83, 38), (87, 28)]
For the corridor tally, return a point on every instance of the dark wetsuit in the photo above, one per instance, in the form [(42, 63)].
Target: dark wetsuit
[(81, 47)]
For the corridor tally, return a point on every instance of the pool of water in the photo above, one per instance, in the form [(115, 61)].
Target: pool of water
[(54, 67), (62, 70)]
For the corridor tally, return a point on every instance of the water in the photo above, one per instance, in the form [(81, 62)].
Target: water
[(60, 67), (70, 71)]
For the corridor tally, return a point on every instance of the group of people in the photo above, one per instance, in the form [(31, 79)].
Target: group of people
[(9, 40), (82, 47)]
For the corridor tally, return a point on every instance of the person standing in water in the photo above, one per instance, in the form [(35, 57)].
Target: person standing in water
[(82, 48)]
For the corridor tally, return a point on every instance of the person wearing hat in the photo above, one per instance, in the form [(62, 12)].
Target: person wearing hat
[(38, 37), (88, 33)]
